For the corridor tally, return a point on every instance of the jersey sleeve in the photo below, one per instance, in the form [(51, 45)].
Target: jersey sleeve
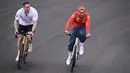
[(70, 21), (35, 15), (17, 16), (88, 23)]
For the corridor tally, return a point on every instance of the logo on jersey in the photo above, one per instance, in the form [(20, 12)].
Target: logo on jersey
[(80, 20)]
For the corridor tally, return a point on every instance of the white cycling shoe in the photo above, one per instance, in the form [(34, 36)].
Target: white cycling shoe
[(30, 47), (81, 50), (69, 58), (17, 57)]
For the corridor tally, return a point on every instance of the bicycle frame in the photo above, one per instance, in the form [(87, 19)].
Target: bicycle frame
[(25, 42), (23, 51), (77, 47), (25, 47), (75, 53)]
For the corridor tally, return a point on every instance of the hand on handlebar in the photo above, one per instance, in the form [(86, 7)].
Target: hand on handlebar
[(88, 35), (67, 33), (31, 33), (16, 33)]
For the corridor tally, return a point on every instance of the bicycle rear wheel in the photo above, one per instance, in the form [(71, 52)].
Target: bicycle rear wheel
[(20, 57), (74, 59)]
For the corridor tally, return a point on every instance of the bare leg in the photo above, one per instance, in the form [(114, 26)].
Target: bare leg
[(19, 45)]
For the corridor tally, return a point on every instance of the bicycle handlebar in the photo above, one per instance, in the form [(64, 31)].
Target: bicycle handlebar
[(18, 33), (86, 37)]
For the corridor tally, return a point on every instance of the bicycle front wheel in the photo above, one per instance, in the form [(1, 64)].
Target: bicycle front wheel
[(20, 57), (73, 59)]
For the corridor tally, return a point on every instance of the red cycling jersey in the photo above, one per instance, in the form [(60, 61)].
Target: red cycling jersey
[(77, 21)]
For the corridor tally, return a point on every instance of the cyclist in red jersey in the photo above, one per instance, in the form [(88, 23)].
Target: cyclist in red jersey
[(80, 22)]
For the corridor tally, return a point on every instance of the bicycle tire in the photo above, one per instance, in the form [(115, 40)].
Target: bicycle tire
[(77, 52), (20, 57), (25, 57), (74, 59)]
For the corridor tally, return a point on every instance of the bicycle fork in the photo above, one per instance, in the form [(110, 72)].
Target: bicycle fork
[(76, 46)]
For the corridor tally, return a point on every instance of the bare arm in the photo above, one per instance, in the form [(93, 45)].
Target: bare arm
[(35, 20), (17, 17), (34, 25), (16, 25)]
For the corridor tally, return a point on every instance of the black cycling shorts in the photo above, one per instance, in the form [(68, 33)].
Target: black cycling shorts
[(24, 29)]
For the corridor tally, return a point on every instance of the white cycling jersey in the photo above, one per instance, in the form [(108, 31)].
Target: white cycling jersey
[(26, 20)]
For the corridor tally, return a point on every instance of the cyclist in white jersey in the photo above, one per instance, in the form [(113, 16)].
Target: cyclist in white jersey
[(25, 22)]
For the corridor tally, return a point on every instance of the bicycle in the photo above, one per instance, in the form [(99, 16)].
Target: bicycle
[(23, 51), (75, 52)]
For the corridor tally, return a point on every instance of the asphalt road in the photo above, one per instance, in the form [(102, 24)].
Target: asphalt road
[(108, 51)]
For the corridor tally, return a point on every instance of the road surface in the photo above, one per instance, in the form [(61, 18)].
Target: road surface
[(108, 51)]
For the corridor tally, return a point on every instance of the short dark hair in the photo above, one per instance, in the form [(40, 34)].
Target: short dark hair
[(25, 2)]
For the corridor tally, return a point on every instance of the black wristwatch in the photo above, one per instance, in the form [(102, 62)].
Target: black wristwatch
[(33, 31)]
